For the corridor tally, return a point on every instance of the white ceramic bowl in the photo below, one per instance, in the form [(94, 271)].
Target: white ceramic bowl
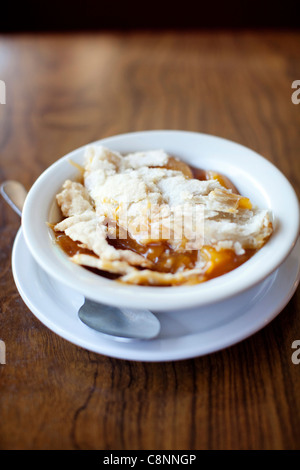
[(253, 175)]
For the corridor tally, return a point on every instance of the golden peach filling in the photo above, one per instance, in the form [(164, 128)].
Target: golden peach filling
[(164, 259)]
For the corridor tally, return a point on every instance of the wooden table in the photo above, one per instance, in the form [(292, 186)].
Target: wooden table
[(65, 90)]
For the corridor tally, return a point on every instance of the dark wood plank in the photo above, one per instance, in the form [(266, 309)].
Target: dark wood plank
[(64, 91)]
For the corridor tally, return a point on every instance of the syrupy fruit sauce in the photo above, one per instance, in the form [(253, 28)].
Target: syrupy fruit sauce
[(162, 256)]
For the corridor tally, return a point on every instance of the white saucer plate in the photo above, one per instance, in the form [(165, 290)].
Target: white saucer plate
[(184, 334)]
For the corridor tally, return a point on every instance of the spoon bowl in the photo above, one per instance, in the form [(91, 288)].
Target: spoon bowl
[(124, 324)]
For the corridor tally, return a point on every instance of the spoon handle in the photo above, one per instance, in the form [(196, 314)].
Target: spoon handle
[(14, 194)]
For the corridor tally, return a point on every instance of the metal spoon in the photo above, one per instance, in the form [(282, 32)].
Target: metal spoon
[(122, 324)]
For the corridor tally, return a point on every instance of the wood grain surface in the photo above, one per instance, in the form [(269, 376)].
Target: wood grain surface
[(63, 91)]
